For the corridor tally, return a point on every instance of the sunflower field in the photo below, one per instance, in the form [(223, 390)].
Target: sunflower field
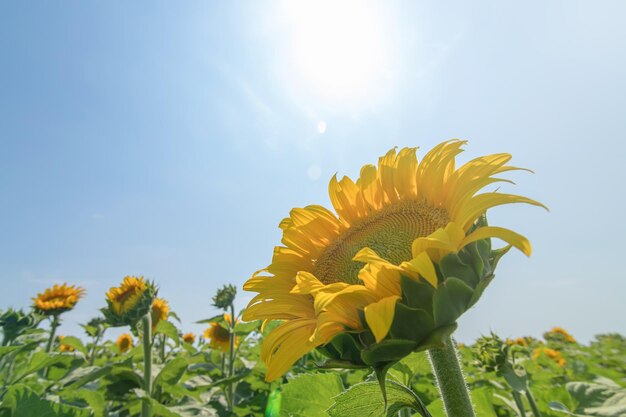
[(354, 316)]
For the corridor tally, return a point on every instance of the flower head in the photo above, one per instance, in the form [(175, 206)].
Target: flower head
[(124, 342), (559, 334), (159, 311), (218, 335), (555, 355), (189, 338), (58, 299), (129, 302), (407, 253)]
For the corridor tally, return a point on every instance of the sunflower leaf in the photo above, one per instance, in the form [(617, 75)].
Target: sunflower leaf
[(366, 399), (310, 395)]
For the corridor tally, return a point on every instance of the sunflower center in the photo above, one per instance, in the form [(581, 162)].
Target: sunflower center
[(389, 232)]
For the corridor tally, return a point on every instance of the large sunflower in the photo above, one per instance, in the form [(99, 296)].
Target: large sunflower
[(338, 273)]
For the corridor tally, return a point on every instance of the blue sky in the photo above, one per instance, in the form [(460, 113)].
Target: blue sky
[(169, 139)]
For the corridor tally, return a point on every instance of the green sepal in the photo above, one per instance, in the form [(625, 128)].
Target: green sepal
[(411, 323), (416, 294), (343, 348), (387, 351), (450, 301), (452, 265)]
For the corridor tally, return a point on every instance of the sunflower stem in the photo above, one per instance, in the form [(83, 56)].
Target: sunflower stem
[(533, 404), (450, 381), (56, 322), (231, 359), (146, 407), (519, 403)]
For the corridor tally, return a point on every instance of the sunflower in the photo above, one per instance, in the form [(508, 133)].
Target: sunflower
[(63, 347), (189, 338), (218, 336), (555, 355), (346, 272), (159, 311), (124, 342), (129, 302), (559, 334), (58, 299)]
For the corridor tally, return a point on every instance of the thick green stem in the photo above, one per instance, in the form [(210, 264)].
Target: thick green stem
[(450, 381), (146, 408), (519, 403), (533, 403), (231, 359)]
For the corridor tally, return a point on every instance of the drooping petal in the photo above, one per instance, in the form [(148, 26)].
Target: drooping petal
[(512, 238), (379, 316), (285, 345)]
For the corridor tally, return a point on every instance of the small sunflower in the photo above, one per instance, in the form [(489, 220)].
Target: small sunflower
[(520, 341), (189, 338), (559, 334), (124, 342), (58, 299), (555, 355), (409, 241), (63, 347), (218, 336), (129, 302), (159, 311)]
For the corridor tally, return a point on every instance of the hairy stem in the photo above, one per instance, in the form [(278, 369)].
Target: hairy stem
[(450, 381), (146, 407)]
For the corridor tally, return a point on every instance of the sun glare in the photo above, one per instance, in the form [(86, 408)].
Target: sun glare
[(338, 47)]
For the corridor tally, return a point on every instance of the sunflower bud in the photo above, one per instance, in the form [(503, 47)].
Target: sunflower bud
[(225, 296), (129, 302), (491, 353)]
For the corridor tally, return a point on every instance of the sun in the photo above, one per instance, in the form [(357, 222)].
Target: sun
[(338, 48)]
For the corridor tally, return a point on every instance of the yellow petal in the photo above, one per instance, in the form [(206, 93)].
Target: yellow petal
[(423, 266), (509, 236), (285, 345), (379, 316), (479, 204)]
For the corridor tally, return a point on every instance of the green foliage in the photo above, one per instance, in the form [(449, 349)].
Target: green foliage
[(310, 395)]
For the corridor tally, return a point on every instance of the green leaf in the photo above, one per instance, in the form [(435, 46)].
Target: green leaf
[(212, 319), (23, 402), (81, 376), (172, 372), (94, 399), (76, 343), (366, 400), (243, 329), (598, 399), (169, 330), (450, 301), (41, 360), (310, 395)]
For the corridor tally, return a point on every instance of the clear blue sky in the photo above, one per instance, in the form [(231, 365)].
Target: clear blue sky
[(169, 139)]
